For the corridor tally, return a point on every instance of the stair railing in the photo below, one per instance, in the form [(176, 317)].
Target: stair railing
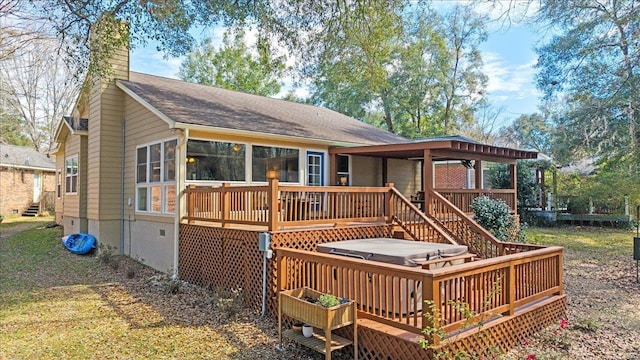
[(414, 222), (464, 229)]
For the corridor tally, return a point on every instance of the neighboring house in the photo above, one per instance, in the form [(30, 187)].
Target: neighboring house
[(27, 178)]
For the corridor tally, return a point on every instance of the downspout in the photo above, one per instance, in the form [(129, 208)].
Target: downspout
[(180, 169), (122, 189)]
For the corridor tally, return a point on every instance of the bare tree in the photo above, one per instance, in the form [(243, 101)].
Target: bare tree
[(485, 127), (18, 27), (38, 86)]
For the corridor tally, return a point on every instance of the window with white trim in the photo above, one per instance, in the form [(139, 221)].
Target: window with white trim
[(71, 175), (156, 177), (58, 183)]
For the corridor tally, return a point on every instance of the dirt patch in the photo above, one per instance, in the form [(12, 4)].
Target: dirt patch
[(603, 301)]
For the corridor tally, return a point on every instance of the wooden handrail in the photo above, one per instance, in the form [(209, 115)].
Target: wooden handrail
[(470, 226), (416, 221)]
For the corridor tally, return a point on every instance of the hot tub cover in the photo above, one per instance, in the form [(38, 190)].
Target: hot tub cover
[(392, 251)]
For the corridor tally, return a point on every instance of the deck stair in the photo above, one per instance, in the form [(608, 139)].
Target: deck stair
[(444, 223), (32, 211), (416, 224)]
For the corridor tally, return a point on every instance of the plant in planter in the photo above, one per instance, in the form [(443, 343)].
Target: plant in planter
[(328, 300)]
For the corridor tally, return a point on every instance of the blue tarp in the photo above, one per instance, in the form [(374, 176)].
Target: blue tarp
[(79, 243)]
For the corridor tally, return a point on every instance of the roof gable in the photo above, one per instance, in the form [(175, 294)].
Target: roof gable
[(195, 104)]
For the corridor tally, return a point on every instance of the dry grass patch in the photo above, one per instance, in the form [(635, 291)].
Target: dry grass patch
[(56, 305), (603, 297)]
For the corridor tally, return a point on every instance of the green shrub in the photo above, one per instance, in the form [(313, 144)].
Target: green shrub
[(495, 216)]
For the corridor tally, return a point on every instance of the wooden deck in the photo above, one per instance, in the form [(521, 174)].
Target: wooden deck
[(512, 289)]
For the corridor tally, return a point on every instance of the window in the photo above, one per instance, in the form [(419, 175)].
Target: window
[(342, 169), (286, 163), (71, 175), (155, 177), (59, 183), (215, 161)]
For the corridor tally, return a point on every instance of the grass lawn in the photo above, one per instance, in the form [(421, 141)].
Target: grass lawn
[(56, 305)]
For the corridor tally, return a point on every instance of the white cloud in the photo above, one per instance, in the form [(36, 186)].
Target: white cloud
[(149, 60), (506, 79)]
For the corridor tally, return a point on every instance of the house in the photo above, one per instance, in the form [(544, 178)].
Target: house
[(210, 183), (27, 181)]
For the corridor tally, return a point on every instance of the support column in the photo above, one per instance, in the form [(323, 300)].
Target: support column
[(384, 171), (427, 180), (477, 167), (332, 169)]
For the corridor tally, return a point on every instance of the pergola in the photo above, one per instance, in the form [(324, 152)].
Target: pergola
[(437, 149)]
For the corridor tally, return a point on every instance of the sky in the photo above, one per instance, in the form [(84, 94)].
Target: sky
[(508, 55)]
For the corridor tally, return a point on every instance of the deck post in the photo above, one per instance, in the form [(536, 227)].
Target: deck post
[(513, 168), (388, 203), (430, 291), (427, 181), (226, 204), (333, 174), (477, 167), (511, 288), (190, 204), (272, 201), (559, 270)]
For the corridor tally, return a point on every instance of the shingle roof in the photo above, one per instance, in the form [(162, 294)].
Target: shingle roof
[(24, 157), (77, 124), (211, 106)]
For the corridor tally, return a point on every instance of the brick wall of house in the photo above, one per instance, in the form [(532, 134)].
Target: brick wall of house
[(450, 176), (16, 189)]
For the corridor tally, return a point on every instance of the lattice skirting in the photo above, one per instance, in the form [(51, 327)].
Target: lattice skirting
[(229, 259), (225, 259), (504, 334)]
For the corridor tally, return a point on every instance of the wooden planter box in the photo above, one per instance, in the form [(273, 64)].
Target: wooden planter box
[(294, 304)]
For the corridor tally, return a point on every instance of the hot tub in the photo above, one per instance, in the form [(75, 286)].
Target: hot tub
[(398, 252)]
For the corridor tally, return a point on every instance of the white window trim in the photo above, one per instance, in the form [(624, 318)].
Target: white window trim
[(147, 185), (302, 163), (59, 191), (76, 175), (249, 164), (247, 160)]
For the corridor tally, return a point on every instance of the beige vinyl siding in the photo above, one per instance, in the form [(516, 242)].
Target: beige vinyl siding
[(142, 127), (366, 171), (405, 174), (60, 155), (105, 154), (71, 202)]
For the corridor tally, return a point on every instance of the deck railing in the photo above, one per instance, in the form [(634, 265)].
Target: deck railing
[(415, 223), (467, 232), (309, 205), (394, 295), (294, 205), (463, 198), (493, 288), (228, 204)]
